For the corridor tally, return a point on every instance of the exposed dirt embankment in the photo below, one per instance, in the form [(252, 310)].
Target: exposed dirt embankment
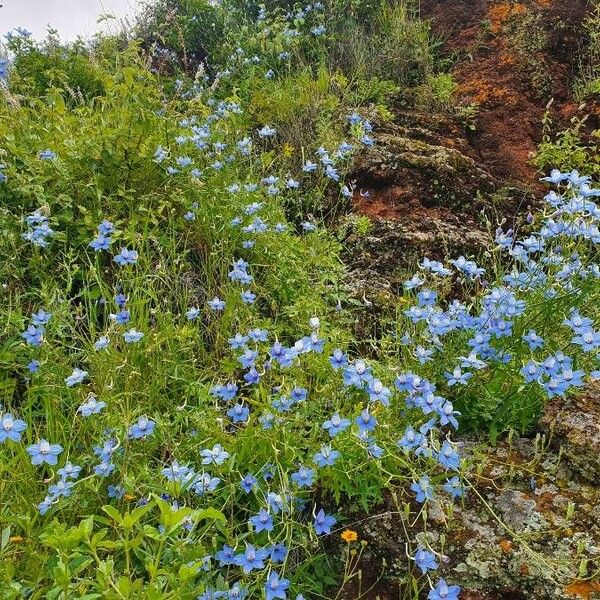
[(432, 176), (513, 57)]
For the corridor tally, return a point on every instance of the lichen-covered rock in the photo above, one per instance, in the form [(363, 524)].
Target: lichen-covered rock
[(574, 425), (440, 175), (526, 530)]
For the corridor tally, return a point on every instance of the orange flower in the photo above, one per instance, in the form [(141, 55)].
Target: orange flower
[(349, 536)]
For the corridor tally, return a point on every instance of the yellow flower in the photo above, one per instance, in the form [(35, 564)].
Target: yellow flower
[(16, 538), (349, 536), (129, 497)]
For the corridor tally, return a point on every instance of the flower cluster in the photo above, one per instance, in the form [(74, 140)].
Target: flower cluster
[(38, 229)]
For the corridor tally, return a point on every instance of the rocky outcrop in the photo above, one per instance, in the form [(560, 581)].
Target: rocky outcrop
[(417, 163), (573, 425), (527, 529)]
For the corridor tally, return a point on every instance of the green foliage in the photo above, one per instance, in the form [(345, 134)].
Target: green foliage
[(382, 39), (72, 69), (182, 34), (571, 148), (587, 83), (437, 91), (528, 42)]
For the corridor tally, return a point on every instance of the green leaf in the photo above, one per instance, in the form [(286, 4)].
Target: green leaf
[(130, 519), (211, 514), (113, 513)]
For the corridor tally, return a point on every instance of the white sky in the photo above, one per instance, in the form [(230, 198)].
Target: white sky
[(69, 17)]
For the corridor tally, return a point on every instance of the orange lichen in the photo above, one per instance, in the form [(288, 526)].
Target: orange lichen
[(506, 546), (499, 14), (481, 91), (582, 589)]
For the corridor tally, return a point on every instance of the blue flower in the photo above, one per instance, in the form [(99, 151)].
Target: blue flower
[(176, 472), (423, 489), (160, 154), (323, 523), (425, 560), (216, 304), (335, 424), (100, 242), (278, 553), (116, 491), (70, 471), (91, 407), (448, 457), (205, 483), (104, 469), (454, 487), (266, 132), (378, 392), (303, 477), (120, 300), (238, 413), (457, 377), (248, 358), (239, 272), (435, 267), (217, 455), (276, 587), (225, 556), (262, 521), (192, 314), (358, 374), (132, 336), (183, 161), (33, 335), (105, 228), (44, 452), (443, 591), (276, 502), (61, 488), (252, 376), (258, 335), (77, 376), (238, 341), (11, 428), (141, 429), (365, 421), (46, 155), (248, 483), (248, 297), (33, 366), (299, 394), (225, 392), (252, 558), (533, 340), (326, 456), (122, 317), (41, 317), (126, 257), (588, 339), (101, 343), (448, 414)]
